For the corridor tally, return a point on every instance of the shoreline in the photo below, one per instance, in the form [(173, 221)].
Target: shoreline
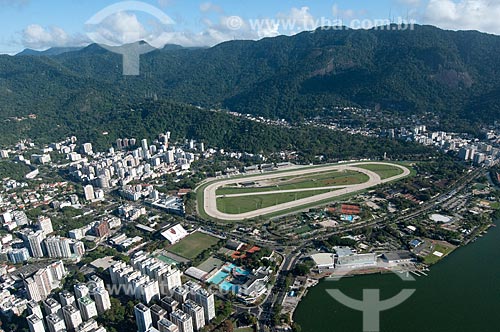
[(418, 272)]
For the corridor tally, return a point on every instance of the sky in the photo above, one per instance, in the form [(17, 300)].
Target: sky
[(41, 24)]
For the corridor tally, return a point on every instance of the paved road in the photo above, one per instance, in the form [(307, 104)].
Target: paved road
[(210, 196)]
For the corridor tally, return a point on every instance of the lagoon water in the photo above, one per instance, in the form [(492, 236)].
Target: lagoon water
[(460, 294)]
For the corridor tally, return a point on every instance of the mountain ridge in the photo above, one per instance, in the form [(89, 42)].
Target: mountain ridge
[(454, 74)]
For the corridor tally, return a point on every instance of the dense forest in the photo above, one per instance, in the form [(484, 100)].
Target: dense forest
[(82, 91), (216, 129)]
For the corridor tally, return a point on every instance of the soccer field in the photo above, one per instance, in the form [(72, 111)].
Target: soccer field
[(193, 245)]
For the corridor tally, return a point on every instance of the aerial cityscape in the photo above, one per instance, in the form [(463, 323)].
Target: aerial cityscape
[(171, 166)]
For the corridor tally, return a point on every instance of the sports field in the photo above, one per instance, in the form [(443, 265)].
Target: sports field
[(242, 204), (315, 180), (443, 249), (385, 171), (193, 245), (272, 193)]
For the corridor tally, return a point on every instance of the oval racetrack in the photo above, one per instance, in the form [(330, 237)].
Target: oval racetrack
[(210, 196)]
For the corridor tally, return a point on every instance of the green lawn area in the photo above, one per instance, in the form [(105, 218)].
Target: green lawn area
[(315, 180), (193, 245), (13, 170), (432, 259), (495, 205), (242, 204), (385, 171), (302, 230)]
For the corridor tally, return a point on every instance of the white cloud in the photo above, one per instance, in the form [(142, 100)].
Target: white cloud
[(210, 7), (38, 37), (479, 15), (121, 28), (297, 20)]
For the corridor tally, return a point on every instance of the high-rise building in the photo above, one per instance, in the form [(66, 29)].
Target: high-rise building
[(32, 289), (87, 308), (35, 243), (207, 301), (51, 306), (87, 149), (101, 298), (164, 325), (145, 148), (17, 256), (88, 326), (89, 192), (55, 323), (95, 282), (169, 157), (180, 294), (20, 218), (58, 247), (45, 224), (157, 314), (168, 280), (169, 303), (182, 320), (77, 248), (43, 279), (72, 317), (143, 317), (35, 323), (57, 270), (196, 312), (193, 287), (149, 291), (464, 153), (66, 298), (34, 309), (81, 290), (101, 228)]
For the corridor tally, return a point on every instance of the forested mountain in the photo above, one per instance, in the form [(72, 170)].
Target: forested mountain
[(454, 74), (50, 52)]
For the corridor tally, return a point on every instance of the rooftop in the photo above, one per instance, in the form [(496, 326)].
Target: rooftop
[(85, 300), (323, 258), (343, 251)]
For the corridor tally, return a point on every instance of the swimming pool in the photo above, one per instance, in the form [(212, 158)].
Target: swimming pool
[(242, 271), (218, 277), (347, 217), (226, 286)]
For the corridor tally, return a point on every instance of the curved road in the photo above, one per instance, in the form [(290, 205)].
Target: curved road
[(210, 196)]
